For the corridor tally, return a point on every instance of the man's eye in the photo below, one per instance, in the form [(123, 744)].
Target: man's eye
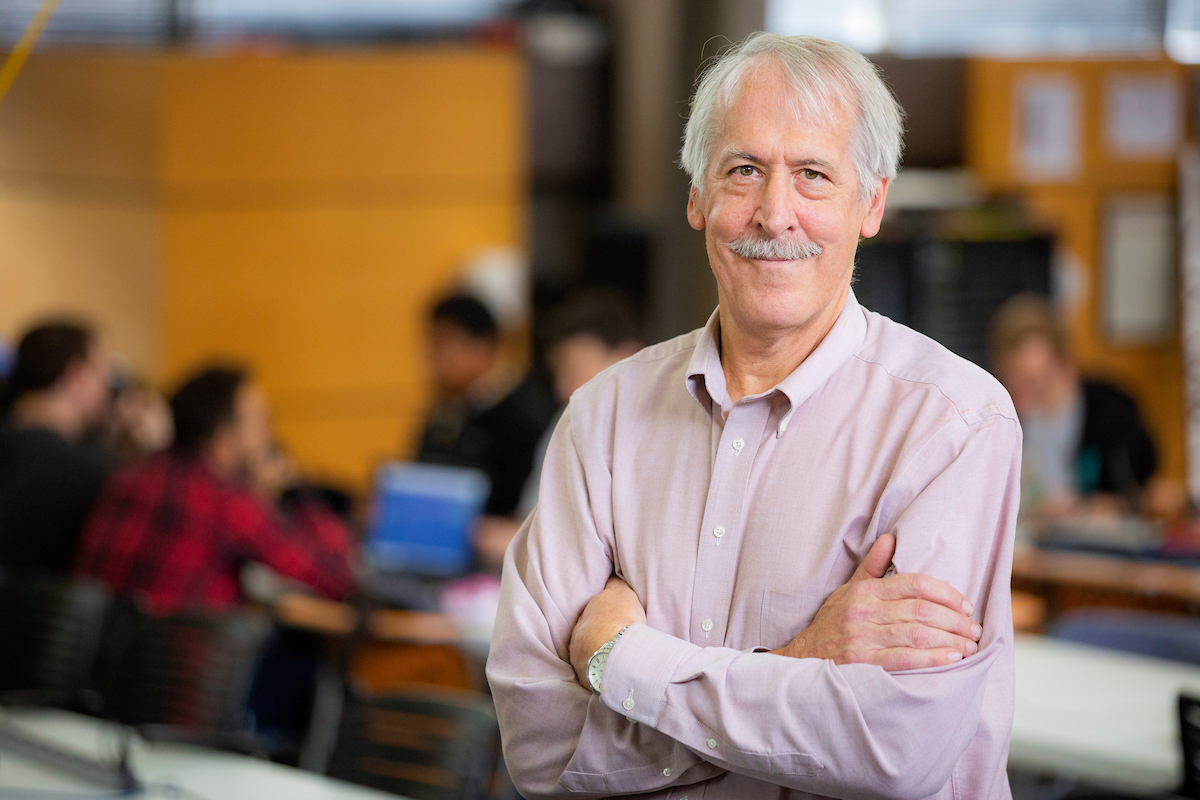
[(745, 170), (811, 174)]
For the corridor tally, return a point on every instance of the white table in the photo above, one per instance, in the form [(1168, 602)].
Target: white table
[(199, 771), (1098, 715)]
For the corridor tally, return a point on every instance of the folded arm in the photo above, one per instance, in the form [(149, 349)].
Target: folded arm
[(851, 729)]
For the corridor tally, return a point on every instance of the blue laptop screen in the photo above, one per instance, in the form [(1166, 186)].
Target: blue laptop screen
[(422, 515)]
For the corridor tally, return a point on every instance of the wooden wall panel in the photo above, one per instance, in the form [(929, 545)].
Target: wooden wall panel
[(328, 306), (78, 221), (296, 211), (1074, 210), (314, 206)]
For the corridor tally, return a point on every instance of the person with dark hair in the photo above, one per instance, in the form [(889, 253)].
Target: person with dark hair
[(483, 418), (174, 531), (592, 330), (49, 479)]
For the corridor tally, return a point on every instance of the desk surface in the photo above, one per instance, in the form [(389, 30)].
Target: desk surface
[(202, 773), (1098, 715), (1108, 572)]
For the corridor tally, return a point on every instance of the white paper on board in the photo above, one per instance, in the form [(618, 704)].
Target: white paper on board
[(1143, 116), (1047, 138)]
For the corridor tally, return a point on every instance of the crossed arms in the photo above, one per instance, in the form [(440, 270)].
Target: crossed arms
[(823, 714)]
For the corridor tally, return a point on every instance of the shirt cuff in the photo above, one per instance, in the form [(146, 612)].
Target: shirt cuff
[(638, 670)]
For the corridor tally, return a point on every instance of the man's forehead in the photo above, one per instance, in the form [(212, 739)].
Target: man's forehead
[(762, 123)]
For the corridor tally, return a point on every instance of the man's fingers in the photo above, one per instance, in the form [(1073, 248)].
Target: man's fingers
[(921, 637), (932, 615), (878, 559), (895, 659), (917, 586)]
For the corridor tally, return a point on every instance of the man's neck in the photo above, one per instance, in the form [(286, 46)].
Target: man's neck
[(49, 411), (755, 361)]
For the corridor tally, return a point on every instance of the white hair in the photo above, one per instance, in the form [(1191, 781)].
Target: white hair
[(822, 75)]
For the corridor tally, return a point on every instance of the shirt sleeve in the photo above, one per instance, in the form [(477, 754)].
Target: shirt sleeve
[(856, 730), (309, 544), (558, 737)]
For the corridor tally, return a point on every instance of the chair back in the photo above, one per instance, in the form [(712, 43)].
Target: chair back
[(50, 633), (1189, 729), (189, 672), (427, 743)]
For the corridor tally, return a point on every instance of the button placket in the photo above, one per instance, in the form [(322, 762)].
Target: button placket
[(716, 568)]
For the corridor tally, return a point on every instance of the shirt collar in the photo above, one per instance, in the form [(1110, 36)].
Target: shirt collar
[(706, 379)]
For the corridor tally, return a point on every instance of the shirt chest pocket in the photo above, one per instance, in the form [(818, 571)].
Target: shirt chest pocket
[(784, 615)]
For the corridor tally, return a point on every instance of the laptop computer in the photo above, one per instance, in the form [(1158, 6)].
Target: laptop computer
[(422, 516)]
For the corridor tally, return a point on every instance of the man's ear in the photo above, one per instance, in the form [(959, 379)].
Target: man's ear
[(874, 217), (694, 214)]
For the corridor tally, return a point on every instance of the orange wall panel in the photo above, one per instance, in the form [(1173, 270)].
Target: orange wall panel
[(315, 205)]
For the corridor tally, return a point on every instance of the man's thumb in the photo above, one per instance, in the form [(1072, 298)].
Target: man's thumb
[(878, 559)]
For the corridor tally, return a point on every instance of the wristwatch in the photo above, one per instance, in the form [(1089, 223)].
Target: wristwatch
[(595, 664)]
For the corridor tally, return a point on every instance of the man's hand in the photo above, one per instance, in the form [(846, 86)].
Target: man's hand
[(602, 618), (898, 622)]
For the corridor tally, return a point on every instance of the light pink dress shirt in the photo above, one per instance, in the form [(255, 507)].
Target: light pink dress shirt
[(733, 522)]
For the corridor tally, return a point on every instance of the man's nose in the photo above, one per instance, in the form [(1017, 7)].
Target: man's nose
[(776, 212)]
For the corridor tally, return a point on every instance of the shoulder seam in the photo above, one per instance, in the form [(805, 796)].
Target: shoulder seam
[(995, 411)]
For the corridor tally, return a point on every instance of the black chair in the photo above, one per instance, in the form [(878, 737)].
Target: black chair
[(50, 636), (1189, 729), (187, 678), (427, 743)]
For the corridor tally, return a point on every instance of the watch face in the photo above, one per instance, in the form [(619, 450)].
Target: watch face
[(596, 670)]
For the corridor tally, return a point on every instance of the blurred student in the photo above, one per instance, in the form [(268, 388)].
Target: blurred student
[(482, 418), (1085, 448), (57, 390), (174, 531), (589, 333)]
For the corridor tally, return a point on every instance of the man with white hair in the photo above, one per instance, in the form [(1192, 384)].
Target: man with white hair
[(738, 581)]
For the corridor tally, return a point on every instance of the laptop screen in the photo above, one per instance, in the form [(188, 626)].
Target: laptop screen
[(422, 516)]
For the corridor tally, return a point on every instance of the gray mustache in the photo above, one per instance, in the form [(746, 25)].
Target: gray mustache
[(774, 249)]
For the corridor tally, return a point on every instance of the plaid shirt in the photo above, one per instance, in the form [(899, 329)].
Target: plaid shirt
[(172, 533)]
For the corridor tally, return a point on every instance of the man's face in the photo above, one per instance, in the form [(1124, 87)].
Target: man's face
[(87, 382), (785, 178), (456, 358), (251, 425), (1039, 380)]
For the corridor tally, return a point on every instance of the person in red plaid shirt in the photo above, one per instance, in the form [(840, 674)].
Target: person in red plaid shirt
[(174, 531)]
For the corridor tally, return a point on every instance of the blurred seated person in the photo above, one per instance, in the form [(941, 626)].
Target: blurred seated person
[(174, 531), (49, 479), (590, 332), (482, 418), (1085, 448)]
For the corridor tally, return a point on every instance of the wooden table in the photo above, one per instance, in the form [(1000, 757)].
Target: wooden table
[(1069, 580)]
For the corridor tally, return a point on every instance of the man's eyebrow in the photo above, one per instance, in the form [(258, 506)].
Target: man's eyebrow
[(802, 162)]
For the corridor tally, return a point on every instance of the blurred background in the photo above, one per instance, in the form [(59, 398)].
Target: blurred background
[(295, 186)]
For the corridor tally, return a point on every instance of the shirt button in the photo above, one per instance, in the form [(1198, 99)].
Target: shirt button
[(628, 704), (738, 444), (711, 743), (706, 626), (667, 772), (719, 531)]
